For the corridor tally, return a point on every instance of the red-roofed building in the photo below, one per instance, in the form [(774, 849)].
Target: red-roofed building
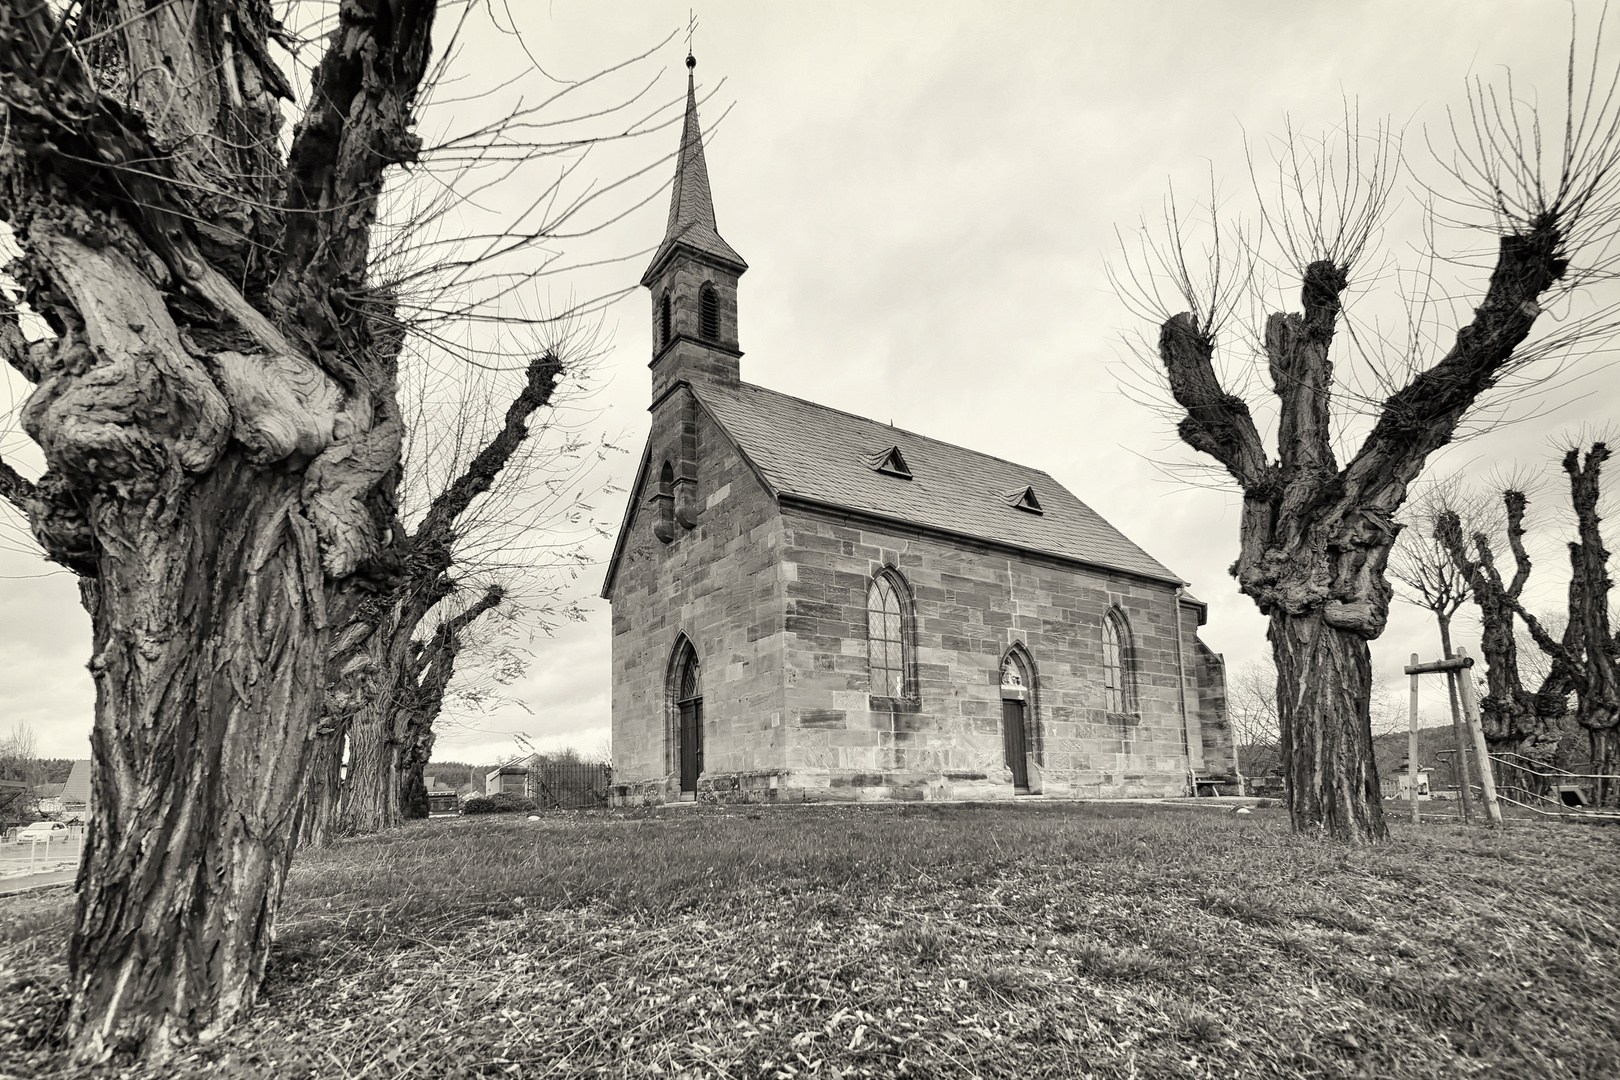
[(811, 604)]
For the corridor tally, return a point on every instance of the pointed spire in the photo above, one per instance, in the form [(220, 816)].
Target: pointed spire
[(691, 207)]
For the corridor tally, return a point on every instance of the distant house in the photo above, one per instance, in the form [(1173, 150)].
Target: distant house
[(76, 794), (1397, 785), (511, 779)]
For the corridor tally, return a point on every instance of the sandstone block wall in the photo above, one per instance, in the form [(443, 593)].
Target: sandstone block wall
[(773, 600), (719, 584), (971, 604)]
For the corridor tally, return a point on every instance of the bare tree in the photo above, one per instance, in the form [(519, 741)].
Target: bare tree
[(1421, 566), (218, 409), (1315, 534), (1251, 706), (510, 513), (1424, 570), (20, 763), (1513, 719), (1588, 657)]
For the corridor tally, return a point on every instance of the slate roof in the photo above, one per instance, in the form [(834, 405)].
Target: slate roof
[(824, 455), (691, 206)]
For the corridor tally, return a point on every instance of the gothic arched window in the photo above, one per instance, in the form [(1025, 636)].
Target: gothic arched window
[(663, 321), (887, 636), (685, 690), (1117, 690), (709, 311)]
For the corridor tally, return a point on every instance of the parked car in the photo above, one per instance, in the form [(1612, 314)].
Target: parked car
[(42, 830)]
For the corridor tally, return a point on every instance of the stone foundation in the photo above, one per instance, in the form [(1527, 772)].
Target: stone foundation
[(821, 786)]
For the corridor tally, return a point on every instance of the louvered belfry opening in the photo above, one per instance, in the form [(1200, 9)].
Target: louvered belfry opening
[(709, 313), (663, 321)]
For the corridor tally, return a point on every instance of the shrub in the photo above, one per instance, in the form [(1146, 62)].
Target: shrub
[(499, 803)]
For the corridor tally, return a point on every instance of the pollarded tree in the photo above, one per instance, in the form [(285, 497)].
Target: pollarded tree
[(373, 658), (1589, 654), (218, 411), (1513, 719), (221, 439), (1316, 534)]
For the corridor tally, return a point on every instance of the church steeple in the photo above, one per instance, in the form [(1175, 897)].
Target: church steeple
[(693, 276)]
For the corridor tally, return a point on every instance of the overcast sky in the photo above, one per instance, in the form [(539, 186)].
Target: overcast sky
[(925, 195)]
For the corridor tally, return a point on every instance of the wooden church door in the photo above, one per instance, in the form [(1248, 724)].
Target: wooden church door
[(1014, 701), (691, 743), (690, 731)]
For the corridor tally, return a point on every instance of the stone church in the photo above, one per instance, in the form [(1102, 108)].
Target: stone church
[(808, 604)]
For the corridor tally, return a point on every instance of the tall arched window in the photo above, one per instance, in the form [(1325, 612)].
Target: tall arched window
[(663, 321), (709, 310), (686, 708), (1117, 696), (886, 636)]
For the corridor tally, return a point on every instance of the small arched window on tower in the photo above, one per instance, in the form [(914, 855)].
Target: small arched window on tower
[(709, 312), (663, 321), (1117, 696)]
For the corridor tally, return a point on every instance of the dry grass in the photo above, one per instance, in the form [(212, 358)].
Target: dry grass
[(943, 941)]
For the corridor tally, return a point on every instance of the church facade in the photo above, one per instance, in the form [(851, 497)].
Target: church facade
[(808, 604)]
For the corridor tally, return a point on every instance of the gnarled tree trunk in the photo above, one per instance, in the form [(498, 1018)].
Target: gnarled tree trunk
[(220, 438), (392, 734), (375, 699), (1598, 685), (1586, 657), (1316, 537), (1324, 690), (1513, 719), (203, 705)]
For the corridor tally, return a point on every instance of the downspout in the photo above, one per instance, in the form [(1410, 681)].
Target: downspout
[(1195, 761), (1181, 688)]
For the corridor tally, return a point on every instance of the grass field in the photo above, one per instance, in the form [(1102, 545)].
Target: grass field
[(918, 941)]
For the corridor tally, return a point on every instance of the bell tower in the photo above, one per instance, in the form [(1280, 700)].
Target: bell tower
[(693, 276)]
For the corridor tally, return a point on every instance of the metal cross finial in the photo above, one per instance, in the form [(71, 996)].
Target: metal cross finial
[(691, 28)]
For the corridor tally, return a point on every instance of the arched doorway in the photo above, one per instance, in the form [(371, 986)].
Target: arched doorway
[(688, 695), (1015, 686)]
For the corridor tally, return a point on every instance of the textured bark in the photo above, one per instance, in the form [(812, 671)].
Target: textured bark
[(1586, 658), (1324, 687), (375, 691), (432, 668), (1315, 538), (1513, 719), (219, 462), (392, 733), (1597, 684)]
